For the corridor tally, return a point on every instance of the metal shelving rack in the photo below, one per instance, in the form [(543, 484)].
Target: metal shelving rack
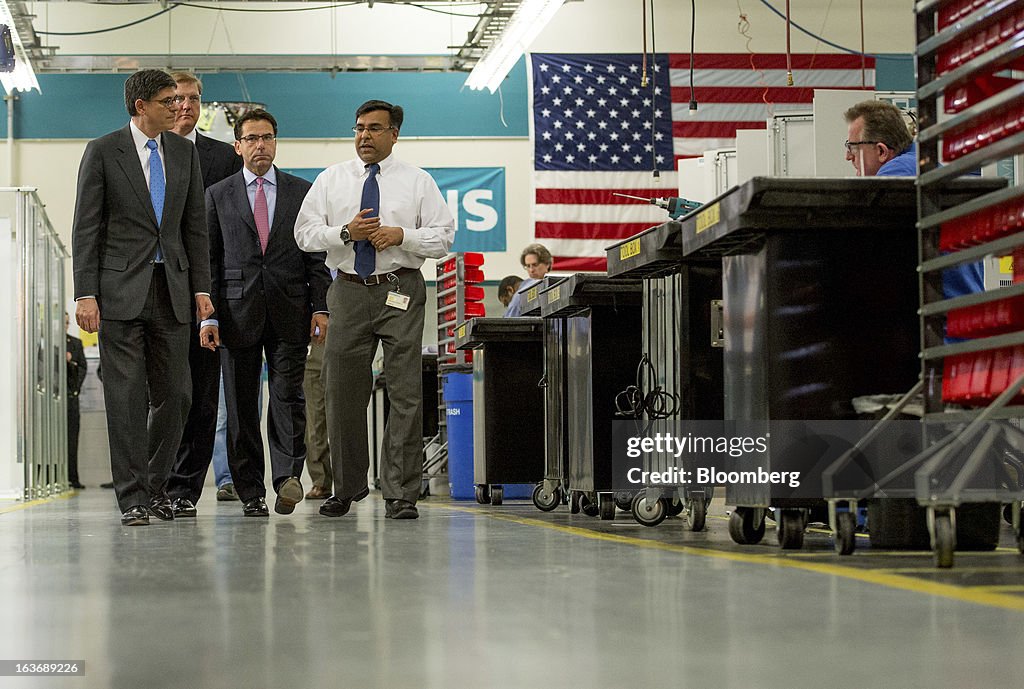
[(451, 280), (960, 42)]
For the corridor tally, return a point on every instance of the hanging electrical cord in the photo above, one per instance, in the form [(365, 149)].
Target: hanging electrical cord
[(634, 402), (743, 27), (822, 39), (643, 64), (863, 59), (789, 52), (693, 34), (112, 28)]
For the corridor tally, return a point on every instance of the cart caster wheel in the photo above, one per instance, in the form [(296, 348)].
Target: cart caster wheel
[(791, 529), (574, 502), (623, 500), (846, 527), (746, 525), (482, 495), (588, 506), (943, 544), (647, 512), (696, 514), (497, 492), (545, 501), (606, 507), (674, 507)]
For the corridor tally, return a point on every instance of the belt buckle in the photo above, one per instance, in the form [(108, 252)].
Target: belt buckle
[(367, 281)]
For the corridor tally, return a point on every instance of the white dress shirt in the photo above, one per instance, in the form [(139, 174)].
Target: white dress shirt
[(409, 198), (141, 140)]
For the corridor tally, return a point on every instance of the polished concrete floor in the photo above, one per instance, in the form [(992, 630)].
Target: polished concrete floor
[(471, 596)]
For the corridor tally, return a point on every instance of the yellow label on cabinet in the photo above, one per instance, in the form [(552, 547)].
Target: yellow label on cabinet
[(629, 249), (462, 331), (553, 294), (708, 217), (531, 294)]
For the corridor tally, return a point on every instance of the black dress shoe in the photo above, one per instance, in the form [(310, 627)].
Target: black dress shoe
[(160, 507), (183, 507), (77, 486), (339, 507), (400, 509), (107, 485), (135, 516), (257, 507)]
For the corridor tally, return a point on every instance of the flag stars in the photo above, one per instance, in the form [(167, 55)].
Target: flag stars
[(648, 148), (624, 102), (581, 147), (636, 159), (592, 158), (570, 136), (557, 124), (602, 125), (660, 159), (611, 69), (615, 160), (614, 136), (580, 124), (579, 102), (545, 113), (635, 91), (600, 79), (556, 79), (567, 90), (578, 79), (547, 157), (543, 68), (633, 69), (591, 136), (559, 147), (602, 102), (603, 148), (623, 79), (612, 91), (545, 90), (647, 102), (658, 136), (546, 136), (566, 68), (636, 136), (570, 158), (591, 112), (568, 114), (658, 113), (588, 68), (590, 90), (613, 114), (556, 102), (635, 114), (657, 90)]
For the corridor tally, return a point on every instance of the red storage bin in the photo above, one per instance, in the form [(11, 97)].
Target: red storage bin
[(981, 371), (473, 276), (473, 294), (1002, 367), (956, 377), (985, 320), (473, 309)]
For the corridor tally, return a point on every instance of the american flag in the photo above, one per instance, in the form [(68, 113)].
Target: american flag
[(597, 130)]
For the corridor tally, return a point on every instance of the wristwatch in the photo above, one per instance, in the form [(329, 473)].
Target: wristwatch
[(346, 236)]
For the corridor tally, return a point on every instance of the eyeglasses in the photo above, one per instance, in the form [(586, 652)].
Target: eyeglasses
[(253, 139), (850, 144), (373, 129), (194, 100), (170, 102)]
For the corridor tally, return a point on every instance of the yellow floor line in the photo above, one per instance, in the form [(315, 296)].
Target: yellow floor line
[(33, 503), (1008, 588), (895, 581)]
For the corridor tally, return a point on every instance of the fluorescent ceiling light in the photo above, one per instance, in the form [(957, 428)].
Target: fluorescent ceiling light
[(527, 21), (23, 78)]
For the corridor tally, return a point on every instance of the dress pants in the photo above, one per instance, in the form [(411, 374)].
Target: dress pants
[(360, 319), (74, 423), (318, 454), (196, 448), (147, 388), (286, 417)]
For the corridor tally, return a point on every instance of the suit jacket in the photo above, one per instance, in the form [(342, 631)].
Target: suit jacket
[(217, 160), (77, 367), (115, 231), (285, 285)]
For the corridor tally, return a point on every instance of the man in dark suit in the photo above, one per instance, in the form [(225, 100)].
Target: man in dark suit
[(270, 298), (217, 160), (77, 367), (141, 262)]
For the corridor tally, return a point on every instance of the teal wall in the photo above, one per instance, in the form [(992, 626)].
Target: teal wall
[(84, 106)]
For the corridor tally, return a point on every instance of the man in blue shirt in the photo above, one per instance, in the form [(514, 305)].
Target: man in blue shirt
[(878, 144)]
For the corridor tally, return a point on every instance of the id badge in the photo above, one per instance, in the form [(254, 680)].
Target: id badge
[(398, 300)]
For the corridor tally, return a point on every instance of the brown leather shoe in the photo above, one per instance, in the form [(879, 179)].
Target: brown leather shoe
[(318, 493)]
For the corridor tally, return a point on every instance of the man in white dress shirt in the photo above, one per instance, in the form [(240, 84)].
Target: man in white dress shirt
[(378, 218)]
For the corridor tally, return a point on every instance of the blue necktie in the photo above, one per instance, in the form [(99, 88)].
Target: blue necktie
[(366, 255), (157, 187)]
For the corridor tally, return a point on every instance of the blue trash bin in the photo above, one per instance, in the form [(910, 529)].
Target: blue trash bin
[(458, 400)]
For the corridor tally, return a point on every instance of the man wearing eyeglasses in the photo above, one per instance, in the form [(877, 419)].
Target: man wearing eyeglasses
[(141, 264), (217, 160), (378, 218), (270, 299), (879, 144)]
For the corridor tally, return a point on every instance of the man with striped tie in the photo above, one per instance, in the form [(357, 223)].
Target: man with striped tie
[(378, 218), (141, 264)]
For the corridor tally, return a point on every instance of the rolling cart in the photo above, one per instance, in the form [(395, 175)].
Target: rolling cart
[(681, 350), (599, 324), (508, 404), (819, 308)]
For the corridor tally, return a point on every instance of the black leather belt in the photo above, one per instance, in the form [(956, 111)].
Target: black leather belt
[(379, 279)]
